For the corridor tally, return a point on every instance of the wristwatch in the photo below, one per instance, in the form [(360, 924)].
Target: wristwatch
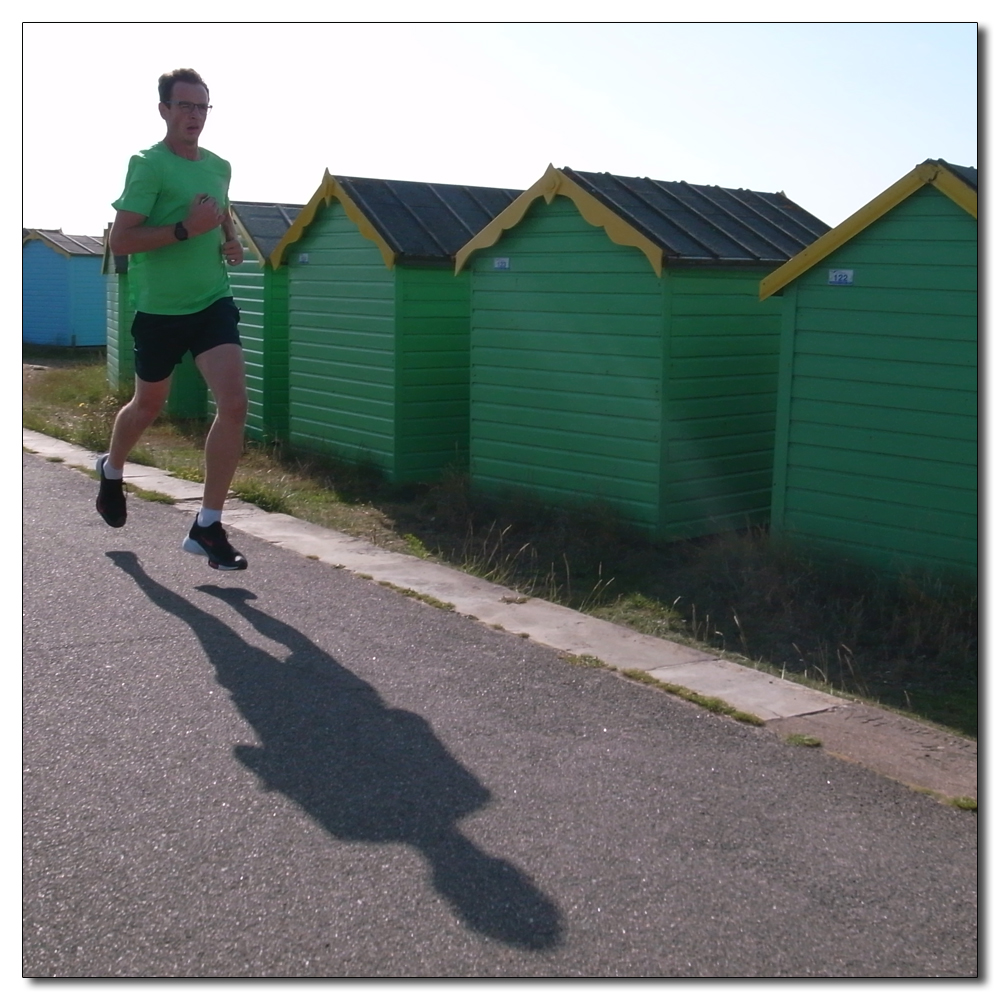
[(180, 232)]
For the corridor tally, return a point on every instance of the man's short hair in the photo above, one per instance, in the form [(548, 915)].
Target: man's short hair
[(168, 80)]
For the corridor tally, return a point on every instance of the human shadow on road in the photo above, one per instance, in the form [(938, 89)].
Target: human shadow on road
[(363, 770)]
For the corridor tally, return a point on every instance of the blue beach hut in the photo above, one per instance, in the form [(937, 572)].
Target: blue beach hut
[(63, 293)]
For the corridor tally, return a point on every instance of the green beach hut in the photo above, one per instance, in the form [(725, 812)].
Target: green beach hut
[(619, 353), (876, 452), (261, 292), (379, 324), (119, 313)]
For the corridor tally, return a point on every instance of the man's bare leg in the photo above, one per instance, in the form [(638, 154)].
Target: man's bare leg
[(222, 367), (223, 370), (132, 420), (134, 417)]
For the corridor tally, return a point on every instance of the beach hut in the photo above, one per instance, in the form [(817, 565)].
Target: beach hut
[(261, 292), (619, 354), (876, 452), (119, 315), (62, 297), (188, 396), (378, 323)]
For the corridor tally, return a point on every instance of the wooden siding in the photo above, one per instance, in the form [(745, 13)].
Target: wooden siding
[(261, 294), (247, 285), (341, 344), (876, 458), (722, 348), (120, 357), (87, 306), (432, 384), (45, 304), (567, 361)]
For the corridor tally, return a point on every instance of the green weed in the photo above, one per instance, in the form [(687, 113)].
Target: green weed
[(152, 495), (268, 498), (416, 595), (416, 547), (714, 705), (800, 740)]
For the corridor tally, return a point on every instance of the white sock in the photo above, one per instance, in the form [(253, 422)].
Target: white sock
[(110, 472), (207, 517)]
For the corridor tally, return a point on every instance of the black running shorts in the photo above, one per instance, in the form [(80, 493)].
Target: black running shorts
[(162, 341)]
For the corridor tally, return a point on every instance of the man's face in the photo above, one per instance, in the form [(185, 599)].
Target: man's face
[(184, 127)]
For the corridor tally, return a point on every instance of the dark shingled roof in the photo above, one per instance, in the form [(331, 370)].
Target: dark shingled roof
[(426, 221), (265, 221), (78, 246), (705, 223), (968, 174)]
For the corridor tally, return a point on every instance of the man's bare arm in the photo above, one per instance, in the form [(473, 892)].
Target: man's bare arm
[(232, 249), (130, 235), (228, 226)]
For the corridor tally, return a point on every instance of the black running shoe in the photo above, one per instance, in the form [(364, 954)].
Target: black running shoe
[(111, 497), (212, 542)]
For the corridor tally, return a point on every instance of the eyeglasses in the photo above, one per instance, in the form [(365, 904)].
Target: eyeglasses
[(187, 107)]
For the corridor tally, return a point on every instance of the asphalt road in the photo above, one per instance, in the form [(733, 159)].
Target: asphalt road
[(295, 772)]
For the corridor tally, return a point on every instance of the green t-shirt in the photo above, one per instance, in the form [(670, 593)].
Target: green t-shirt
[(187, 276)]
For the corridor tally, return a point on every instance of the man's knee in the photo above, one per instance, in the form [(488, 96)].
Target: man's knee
[(147, 406), (231, 407)]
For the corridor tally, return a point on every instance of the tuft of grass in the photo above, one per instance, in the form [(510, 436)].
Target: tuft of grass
[(714, 705), (965, 802), (801, 740), (416, 547), (154, 496), (416, 595), (584, 660), (55, 458), (268, 498), (181, 468)]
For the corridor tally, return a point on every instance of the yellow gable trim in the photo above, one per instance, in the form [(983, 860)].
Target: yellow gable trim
[(247, 238), (959, 192), (328, 190), (34, 234), (926, 173), (554, 182)]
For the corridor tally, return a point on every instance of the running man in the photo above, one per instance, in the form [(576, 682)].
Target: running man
[(173, 220)]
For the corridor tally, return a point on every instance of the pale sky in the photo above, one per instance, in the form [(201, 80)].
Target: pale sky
[(832, 114)]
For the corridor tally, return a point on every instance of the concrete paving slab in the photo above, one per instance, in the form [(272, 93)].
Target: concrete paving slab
[(750, 690)]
